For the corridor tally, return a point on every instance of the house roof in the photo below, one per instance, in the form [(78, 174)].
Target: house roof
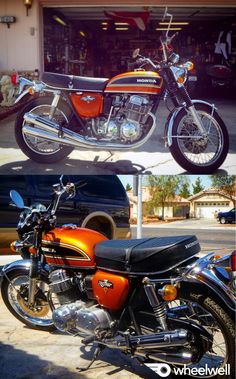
[(209, 191)]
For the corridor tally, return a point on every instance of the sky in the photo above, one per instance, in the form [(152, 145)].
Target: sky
[(205, 180)]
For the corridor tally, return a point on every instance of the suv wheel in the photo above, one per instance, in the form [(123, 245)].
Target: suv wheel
[(102, 225), (223, 220)]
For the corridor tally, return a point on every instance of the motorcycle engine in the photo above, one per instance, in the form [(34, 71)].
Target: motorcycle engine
[(74, 315), (129, 115)]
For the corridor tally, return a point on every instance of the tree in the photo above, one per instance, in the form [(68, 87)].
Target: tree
[(128, 187), (197, 186), (225, 184), (163, 189), (185, 190)]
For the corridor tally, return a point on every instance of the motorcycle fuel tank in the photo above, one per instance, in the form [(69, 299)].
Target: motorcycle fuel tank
[(71, 247), (142, 82)]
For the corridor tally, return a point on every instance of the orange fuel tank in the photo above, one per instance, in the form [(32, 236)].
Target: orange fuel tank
[(110, 290), (142, 82), (71, 247)]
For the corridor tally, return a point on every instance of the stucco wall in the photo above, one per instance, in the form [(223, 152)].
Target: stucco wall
[(19, 49)]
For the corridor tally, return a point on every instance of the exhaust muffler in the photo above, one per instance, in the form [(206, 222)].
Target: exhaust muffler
[(148, 345), (51, 131)]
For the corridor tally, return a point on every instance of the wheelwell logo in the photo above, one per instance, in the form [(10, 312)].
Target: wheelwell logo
[(164, 370)]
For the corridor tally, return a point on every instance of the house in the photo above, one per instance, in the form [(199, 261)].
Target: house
[(177, 207), (207, 203)]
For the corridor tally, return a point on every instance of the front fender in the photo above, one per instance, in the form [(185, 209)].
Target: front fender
[(171, 119), (7, 269)]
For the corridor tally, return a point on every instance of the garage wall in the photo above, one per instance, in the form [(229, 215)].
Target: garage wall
[(19, 44)]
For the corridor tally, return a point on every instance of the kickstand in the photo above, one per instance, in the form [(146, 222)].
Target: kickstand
[(97, 352)]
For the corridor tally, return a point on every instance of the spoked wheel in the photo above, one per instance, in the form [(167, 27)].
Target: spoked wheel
[(198, 153), (220, 358), (15, 297), (37, 148)]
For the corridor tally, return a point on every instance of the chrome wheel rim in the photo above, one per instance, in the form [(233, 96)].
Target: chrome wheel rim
[(40, 314), (38, 144), (218, 357), (197, 149)]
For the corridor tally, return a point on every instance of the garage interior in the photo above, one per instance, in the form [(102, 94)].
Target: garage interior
[(86, 41)]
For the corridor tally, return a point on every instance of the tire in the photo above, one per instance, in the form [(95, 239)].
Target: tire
[(223, 220), (222, 322), (18, 307), (30, 146), (196, 156)]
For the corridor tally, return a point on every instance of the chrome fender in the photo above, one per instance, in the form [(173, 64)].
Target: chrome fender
[(22, 264), (202, 274), (8, 268), (25, 92), (171, 119)]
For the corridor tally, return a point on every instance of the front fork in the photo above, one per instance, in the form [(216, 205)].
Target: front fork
[(191, 108), (33, 275)]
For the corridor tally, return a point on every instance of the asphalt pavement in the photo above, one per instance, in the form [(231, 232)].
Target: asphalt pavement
[(151, 158)]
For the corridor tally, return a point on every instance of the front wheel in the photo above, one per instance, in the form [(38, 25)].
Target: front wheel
[(37, 148), (15, 295), (199, 154)]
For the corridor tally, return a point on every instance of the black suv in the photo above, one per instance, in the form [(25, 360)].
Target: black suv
[(101, 204), (227, 217)]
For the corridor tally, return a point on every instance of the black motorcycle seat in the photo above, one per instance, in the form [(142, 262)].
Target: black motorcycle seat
[(145, 255), (74, 83)]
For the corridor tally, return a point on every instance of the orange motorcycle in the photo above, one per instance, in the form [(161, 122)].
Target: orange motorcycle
[(152, 298), (121, 113)]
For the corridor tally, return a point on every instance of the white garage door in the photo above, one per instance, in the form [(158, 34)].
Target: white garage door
[(208, 211)]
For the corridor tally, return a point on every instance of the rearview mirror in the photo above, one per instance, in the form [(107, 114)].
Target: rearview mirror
[(17, 199), (136, 53)]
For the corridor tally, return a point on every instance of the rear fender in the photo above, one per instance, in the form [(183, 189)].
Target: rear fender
[(171, 119), (198, 289)]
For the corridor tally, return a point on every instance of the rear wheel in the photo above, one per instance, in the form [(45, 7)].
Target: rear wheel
[(214, 319), (194, 307), (38, 148), (15, 296)]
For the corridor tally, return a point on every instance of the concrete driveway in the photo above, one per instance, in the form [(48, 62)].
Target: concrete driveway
[(151, 158), (32, 354)]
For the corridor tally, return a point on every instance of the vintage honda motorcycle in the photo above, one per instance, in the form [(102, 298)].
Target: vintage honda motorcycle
[(151, 298), (121, 113)]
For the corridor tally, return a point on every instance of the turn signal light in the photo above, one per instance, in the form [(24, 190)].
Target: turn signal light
[(169, 292), (31, 91), (181, 79), (189, 65), (13, 247), (32, 250)]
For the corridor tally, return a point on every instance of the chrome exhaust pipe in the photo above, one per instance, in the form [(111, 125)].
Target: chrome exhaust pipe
[(48, 135), (161, 340), (182, 357), (49, 130), (152, 346)]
